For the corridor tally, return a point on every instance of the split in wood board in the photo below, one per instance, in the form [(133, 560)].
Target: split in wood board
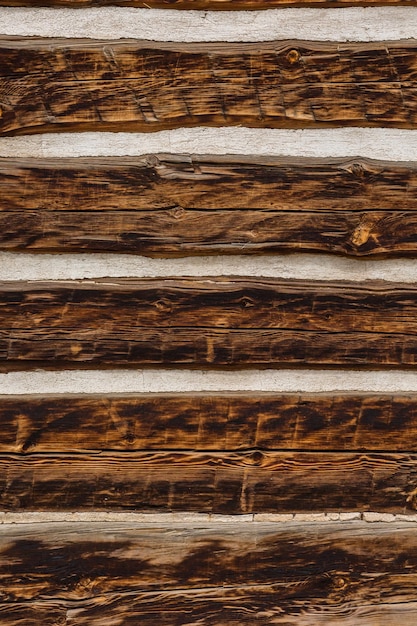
[(220, 453), (172, 205), (212, 322)]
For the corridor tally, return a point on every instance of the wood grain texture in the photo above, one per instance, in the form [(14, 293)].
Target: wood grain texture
[(75, 574), (208, 322), (200, 422), (210, 482), (169, 205), (50, 85)]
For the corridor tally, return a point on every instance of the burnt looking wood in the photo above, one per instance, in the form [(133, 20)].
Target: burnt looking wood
[(241, 573), (52, 85), (199, 422), (169, 205), (210, 482), (207, 322), (225, 453)]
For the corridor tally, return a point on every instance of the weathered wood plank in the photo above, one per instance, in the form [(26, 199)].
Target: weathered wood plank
[(168, 206), (201, 422), (216, 482), (50, 85), (346, 574), (199, 182), (304, 605), (179, 232), (210, 322)]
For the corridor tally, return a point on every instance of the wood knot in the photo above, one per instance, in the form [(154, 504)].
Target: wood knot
[(246, 302), (257, 457), (163, 305), (178, 212), (363, 230), (412, 499), (339, 582), (152, 160), (75, 349), (357, 169), (293, 56)]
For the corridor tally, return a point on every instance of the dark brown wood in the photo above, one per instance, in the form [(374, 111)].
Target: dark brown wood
[(212, 5), (201, 422), (50, 85), (199, 182), (245, 573), (216, 482), (168, 206), (207, 322)]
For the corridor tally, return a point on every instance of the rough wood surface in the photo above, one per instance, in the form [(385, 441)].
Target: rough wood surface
[(202, 422), (207, 322), (297, 575), (210, 482), (48, 85), (170, 205)]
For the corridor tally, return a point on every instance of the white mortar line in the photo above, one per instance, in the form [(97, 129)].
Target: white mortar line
[(377, 143), (343, 24), (152, 380), (33, 267), (199, 520)]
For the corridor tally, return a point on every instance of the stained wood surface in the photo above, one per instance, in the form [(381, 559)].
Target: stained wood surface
[(207, 322), (169, 205), (249, 573), (210, 482), (48, 85), (224, 453), (200, 422)]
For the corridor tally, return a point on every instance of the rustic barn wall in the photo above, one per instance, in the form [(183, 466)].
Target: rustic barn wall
[(208, 383)]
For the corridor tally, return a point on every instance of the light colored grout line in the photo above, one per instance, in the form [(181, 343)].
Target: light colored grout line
[(377, 143), (202, 520), (342, 24), (320, 267), (198, 381)]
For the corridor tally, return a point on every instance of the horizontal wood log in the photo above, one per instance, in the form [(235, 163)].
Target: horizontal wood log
[(201, 422), (216, 482), (168, 206), (208, 322), (50, 85), (351, 574), (246, 605)]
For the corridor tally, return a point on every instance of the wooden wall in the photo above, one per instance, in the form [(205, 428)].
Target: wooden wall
[(208, 391)]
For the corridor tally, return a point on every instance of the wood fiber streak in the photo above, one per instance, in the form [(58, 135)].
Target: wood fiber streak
[(50, 85), (173, 206), (212, 5), (207, 322), (217, 482), (199, 422), (250, 574)]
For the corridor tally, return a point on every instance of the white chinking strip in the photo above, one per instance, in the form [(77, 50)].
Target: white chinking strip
[(186, 520), (343, 24), (377, 143), (198, 520), (32, 267), (152, 380)]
